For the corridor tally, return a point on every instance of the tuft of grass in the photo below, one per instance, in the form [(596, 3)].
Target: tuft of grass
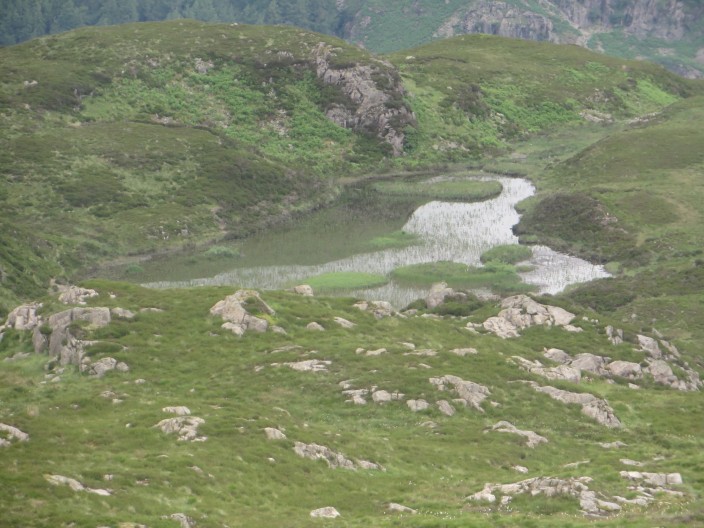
[(508, 254), (345, 280)]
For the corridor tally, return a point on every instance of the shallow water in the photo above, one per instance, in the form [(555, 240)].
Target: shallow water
[(458, 232)]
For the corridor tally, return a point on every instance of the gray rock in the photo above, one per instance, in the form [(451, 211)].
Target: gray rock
[(381, 396), (417, 405), (303, 289), (184, 520), (394, 507), (233, 310), (9, 434), (649, 346), (520, 311), (319, 452), (469, 393), (662, 373), (501, 327), (614, 335), (561, 372), (186, 427), (557, 355), (60, 480), (377, 352), (379, 309), (316, 327), (462, 352), (344, 323), (439, 293), (100, 367), (122, 313), (180, 410), (590, 363), (325, 513), (95, 317), (274, 434), (625, 369), (75, 294), (533, 439), (592, 406), (24, 317), (310, 365), (445, 407)]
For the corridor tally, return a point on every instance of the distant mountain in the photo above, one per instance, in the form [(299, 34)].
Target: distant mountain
[(669, 32)]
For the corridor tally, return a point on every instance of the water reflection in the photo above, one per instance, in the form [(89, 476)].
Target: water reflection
[(458, 232)]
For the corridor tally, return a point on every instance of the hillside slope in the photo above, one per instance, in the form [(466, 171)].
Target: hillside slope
[(667, 32)]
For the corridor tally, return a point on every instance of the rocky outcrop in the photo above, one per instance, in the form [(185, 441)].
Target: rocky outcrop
[(561, 372), (60, 480), (75, 294), (325, 513), (10, 434), (309, 365), (369, 108), (379, 309), (520, 312), (549, 487), (234, 310), (594, 407), (274, 434), (333, 459), (303, 289), (469, 393), (102, 366), (532, 439), (24, 317), (186, 427), (439, 293), (499, 18)]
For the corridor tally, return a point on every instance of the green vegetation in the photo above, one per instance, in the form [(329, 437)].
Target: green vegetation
[(396, 239), (452, 189), (509, 254), (345, 280), (186, 358), (495, 276)]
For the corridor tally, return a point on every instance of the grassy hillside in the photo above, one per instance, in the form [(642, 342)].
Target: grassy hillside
[(100, 431)]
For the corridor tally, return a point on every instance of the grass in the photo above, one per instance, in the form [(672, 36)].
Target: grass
[(394, 240), (453, 189), (498, 277), (187, 359), (345, 280), (509, 254)]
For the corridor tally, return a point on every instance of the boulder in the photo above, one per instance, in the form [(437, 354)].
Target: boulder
[(319, 452), (303, 289), (9, 434), (122, 313), (462, 352), (533, 439), (557, 355), (178, 410), (95, 317), (316, 327), (24, 317), (274, 434), (561, 372), (186, 427), (325, 513), (520, 311), (344, 323), (590, 363), (469, 393), (234, 310), (381, 396), (662, 373), (614, 335), (100, 367), (594, 407), (649, 346), (445, 407), (75, 294), (417, 405), (439, 293), (184, 520), (625, 369), (60, 480), (379, 309), (394, 507), (310, 365), (501, 327)]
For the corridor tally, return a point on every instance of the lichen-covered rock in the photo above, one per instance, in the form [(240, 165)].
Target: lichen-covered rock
[(186, 427), (24, 317), (234, 311), (417, 405), (325, 513), (314, 326), (75, 294), (533, 439), (274, 434), (469, 393), (592, 406), (520, 312), (10, 434), (625, 369), (333, 459)]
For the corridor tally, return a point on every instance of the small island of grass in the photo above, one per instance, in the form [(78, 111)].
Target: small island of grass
[(465, 190), (507, 254), (345, 280), (500, 278)]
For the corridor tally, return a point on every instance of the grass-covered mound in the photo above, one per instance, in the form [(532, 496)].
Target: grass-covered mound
[(393, 240), (452, 189), (508, 254), (345, 280), (495, 276)]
